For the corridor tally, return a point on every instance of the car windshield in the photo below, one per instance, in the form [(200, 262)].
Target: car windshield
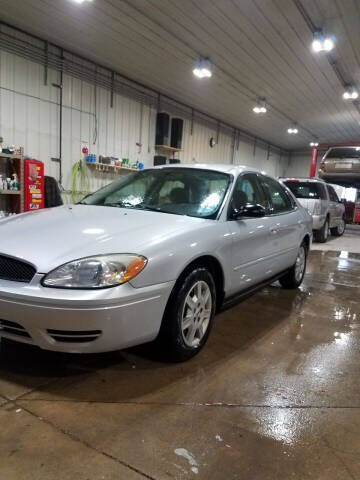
[(306, 189), (343, 152), (181, 191)]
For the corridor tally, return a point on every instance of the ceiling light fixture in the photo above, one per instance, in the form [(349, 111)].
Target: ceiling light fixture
[(322, 43), (293, 130), (350, 93), (314, 144), (82, 1), (260, 107), (203, 68)]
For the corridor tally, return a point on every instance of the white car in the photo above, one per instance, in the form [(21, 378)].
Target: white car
[(323, 204), (152, 255)]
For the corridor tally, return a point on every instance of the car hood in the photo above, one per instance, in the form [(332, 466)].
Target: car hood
[(54, 236)]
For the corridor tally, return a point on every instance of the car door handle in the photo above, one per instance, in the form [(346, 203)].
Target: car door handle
[(274, 230)]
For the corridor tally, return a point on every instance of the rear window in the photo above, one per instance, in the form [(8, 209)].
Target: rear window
[(310, 190), (343, 152)]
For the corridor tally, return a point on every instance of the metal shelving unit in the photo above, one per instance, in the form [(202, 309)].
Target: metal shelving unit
[(10, 192), (168, 150), (9, 164), (104, 167)]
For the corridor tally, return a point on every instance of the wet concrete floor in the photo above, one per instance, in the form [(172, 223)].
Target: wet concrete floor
[(349, 242), (275, 394)]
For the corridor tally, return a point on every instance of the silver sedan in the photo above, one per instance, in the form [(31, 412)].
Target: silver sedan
[(150, 256)]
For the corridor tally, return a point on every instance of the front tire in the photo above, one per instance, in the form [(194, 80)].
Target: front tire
[(322, 235), (189, 316), (294, 277), (340, 229)]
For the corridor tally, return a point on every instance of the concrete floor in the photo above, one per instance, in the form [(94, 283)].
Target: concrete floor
[(349, 242), (274, 395)]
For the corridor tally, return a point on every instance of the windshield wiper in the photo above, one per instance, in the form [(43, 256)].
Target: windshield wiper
[(148, 207), (139, 206), (119, 205)]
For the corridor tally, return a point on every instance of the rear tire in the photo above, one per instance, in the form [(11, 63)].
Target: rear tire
[(322, 235), (189, 316), (294, 277), (340, 229)]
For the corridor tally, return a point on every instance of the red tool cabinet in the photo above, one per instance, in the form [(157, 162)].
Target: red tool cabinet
[(33, 185)]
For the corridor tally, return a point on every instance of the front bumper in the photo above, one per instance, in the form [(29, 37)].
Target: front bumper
[(124, 315)]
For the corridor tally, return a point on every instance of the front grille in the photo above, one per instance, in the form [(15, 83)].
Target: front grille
[(15, 270), (13, 328), (74, 336)]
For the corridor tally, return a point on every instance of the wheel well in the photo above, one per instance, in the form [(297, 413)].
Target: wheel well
[(306, 240), (213, 265)]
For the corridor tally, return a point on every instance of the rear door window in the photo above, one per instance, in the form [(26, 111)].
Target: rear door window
[(332, 194), (343, 152), (308, 190)]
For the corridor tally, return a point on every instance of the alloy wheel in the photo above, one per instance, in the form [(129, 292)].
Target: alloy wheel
[(341, 226), (326, 231), (196, 313), (300, 264)]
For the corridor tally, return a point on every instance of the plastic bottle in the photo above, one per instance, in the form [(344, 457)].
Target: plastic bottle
[(15, 183)]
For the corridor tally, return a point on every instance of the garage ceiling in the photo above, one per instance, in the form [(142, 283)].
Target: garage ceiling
[(259, 48)]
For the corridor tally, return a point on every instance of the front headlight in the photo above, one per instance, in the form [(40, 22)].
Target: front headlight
[(96, 272)]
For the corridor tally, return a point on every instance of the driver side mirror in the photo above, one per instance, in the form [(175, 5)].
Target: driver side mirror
[(252, 211)]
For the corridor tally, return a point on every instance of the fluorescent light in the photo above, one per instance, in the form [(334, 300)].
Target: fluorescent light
[(316, 45), (260, 107), (202, 73), (82, 1), (203, 69), (322, 43), (293, 130), (314, 144), (350, 93), (329, 44)]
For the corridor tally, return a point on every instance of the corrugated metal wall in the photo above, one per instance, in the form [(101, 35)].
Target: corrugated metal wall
[(299, 165), (29, 117)]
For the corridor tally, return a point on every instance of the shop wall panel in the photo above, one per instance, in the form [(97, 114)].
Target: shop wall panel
[(29, 117), (299, 165)]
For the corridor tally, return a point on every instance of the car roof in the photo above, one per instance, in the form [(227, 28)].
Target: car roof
[(339, 147), (302, 179), (218, 167)]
